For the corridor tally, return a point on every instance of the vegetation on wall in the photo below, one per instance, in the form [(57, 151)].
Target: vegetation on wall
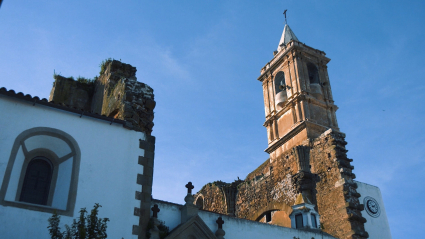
[(162, 228), (103, 65), (86, 226)]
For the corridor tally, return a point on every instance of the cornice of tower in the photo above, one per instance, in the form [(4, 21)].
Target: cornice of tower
[(296, 98), (296, 129)]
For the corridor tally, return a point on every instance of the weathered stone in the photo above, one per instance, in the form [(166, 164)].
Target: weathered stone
[(72, 93), (111, 94)]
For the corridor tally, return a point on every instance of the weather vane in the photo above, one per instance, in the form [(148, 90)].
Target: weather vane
[(284, 13)]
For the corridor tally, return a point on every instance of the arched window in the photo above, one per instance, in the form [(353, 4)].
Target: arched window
[(42, 172), (280, 89), (313, 73), (36, 185), (279, 82), (200, 202)]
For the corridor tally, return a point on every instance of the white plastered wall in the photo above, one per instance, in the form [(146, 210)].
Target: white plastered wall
[(377, 227), (235, 228), (107, 175)]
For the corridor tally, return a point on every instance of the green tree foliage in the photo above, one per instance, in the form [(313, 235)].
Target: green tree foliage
[(86, 226)]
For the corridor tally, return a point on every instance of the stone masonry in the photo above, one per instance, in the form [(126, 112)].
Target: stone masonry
[(275, 184), (116, 93)]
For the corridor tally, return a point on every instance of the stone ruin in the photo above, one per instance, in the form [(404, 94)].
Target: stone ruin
[(116, 93)]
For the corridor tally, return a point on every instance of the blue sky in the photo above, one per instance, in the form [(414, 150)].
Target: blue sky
[(202, 59)]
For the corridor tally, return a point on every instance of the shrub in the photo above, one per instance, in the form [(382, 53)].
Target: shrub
[(85, 226)]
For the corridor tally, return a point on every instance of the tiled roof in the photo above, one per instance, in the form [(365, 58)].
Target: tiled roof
[(37, 101)]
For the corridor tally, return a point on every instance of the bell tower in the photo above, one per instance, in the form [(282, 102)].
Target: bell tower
[(298, 99), (300, 114)]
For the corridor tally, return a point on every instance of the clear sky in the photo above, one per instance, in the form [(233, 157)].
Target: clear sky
[(202, 58)]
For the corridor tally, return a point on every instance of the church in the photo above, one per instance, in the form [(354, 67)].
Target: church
[(92, 142)]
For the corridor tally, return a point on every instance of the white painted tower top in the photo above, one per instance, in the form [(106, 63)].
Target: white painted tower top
[(287, 36)]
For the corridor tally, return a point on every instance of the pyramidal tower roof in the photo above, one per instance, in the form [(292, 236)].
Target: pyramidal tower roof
[(301, 199), (287, 36)]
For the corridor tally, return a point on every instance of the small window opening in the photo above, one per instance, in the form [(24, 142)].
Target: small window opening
[(313, 221), (114, 114), (36, 186), (268, 216), (299, 221)]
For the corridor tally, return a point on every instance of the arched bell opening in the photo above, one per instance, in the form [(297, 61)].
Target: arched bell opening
[(314, 80), (280, 90)]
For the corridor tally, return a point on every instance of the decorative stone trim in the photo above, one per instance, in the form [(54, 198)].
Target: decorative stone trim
[(75, 153), (145, 180)]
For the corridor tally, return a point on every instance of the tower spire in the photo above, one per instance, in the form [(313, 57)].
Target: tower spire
[(287, 35)]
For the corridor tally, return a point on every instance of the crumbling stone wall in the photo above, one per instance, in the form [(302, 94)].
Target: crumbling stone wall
[(214, 198), (118, 94), (274, 185), (269, 187), (115, 93), (337, 198), (71, 92)]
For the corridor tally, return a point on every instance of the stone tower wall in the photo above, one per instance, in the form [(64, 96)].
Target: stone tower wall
[(273, 187), (337, 198)]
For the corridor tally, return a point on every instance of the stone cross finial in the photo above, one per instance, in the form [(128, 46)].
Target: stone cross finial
[(155, 209), (220, 222), (189, 187)]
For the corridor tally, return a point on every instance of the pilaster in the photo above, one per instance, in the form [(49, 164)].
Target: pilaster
[(145, 180)]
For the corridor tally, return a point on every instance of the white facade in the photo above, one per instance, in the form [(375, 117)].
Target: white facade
[(107, 172), (374, 211), (235, 228)]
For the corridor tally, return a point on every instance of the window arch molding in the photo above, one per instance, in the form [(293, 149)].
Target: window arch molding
[(199, 202), (21, 155)]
